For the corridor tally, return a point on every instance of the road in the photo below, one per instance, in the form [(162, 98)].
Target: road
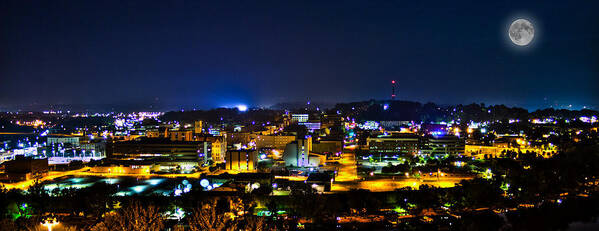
[(347, 179), (23, 185), (348, 171), (388, 184), (51, 175)]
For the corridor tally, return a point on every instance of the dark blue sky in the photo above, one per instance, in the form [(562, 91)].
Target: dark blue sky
[(218, 53)]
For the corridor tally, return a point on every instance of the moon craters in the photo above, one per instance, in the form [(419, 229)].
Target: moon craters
[(521, 32)]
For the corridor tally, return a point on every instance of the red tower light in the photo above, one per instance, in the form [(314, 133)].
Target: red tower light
[(392, 89)]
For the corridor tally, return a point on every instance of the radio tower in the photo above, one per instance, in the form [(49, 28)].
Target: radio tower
[(392, 89)]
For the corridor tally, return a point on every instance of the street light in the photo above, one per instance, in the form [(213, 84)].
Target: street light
[(49, 223)]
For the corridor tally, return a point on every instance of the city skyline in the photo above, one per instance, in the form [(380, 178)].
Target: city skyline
[(299, 115)]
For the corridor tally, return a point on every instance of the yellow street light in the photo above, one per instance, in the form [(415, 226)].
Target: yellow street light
[(49, 223)]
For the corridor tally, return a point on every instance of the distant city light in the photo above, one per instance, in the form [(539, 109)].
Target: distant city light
[(49, 223), (242, 107)]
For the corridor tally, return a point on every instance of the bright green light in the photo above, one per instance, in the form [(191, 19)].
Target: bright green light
[(400, 210)]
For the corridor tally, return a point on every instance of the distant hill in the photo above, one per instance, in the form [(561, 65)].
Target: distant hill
[(302, 106)]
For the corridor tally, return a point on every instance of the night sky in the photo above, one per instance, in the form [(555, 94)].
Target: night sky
[(222, 53)]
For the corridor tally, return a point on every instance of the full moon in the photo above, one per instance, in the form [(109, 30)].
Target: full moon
[(521, 32)]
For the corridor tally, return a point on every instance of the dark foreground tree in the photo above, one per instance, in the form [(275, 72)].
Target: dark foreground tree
[(133, 217), (210, 217)]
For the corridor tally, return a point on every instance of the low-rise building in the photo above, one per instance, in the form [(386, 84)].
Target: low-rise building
[(180, 135), (406, 144), (327, 146), (321, 182), (198, 127), (121, 169), (311, 125), (218, 146), (241, 160), (159, 132), (158, 149), (24, 168), (53, 140), (95, 147), (438, 145), (274, 141), (299, 154), (299, 118)]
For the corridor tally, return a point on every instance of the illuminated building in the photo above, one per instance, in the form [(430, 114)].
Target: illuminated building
[(158, 149), (241, 160), (218, 145), (52, 140), (276, 141), (160, 132), (439, 145), (180, 135), (215, 131), (510, 141), (240, 137), (299, 118), (97, 147), (482, 152), (121, 169), (298, 154), (311, 126), (397, 143), (369, 125), (35, 123), (434, 128), (327, 146), (197, 126), (394, 124), (24, 168), (330, 120)]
